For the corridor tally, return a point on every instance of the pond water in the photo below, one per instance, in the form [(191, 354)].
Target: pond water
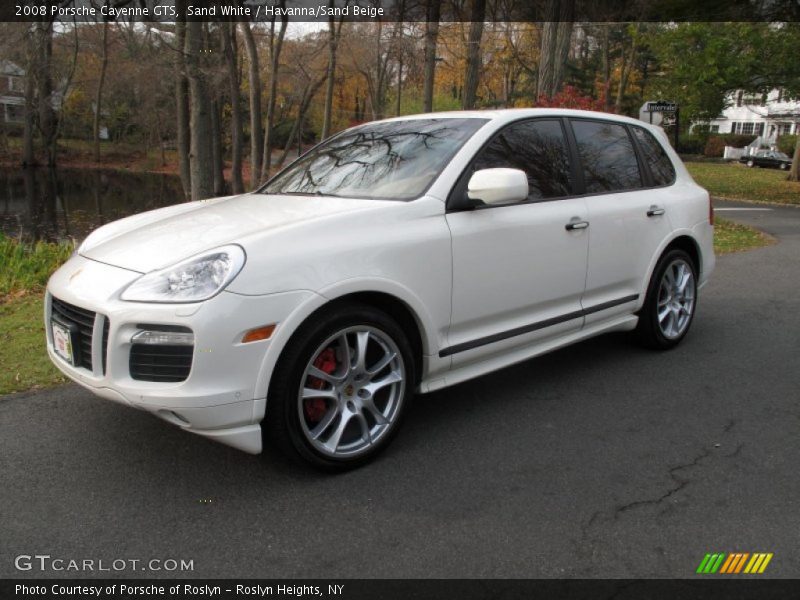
[(52, 205)]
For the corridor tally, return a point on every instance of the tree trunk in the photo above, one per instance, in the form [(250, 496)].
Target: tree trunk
[(275, 49), (200, 155), (256, 139), (794, 172), (399, 99), (231, 58), (556, 35), (182, 104), (305, 102), (563, 38), (606, 67), (546, 57), (47, 126), (472, 74), (216, 149), (431, 36), (334, 34), (627, 66), (28, 156), (98, 98)]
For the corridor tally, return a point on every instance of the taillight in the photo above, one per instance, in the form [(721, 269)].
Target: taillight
[(710, 211)]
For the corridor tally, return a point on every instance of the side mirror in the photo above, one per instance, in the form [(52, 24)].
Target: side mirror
[(498, 186)]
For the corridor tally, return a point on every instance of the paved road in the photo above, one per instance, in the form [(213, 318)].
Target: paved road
[(601, 460)]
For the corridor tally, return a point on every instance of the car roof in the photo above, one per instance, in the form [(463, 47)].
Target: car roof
[(513, 114)]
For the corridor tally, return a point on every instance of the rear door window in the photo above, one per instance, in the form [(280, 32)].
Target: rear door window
[(607, 156)]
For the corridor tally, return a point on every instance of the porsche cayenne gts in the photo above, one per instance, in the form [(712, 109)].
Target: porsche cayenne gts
[(394, 258)]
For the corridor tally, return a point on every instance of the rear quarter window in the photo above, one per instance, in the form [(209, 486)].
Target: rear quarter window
[(661, 167)]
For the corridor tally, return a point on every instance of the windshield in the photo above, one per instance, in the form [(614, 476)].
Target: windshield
[(394, 160)]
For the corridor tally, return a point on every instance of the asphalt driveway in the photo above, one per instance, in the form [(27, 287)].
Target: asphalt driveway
[(600, 460)]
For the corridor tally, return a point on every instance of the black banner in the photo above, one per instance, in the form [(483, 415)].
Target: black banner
[(400, 10), (701, 588)]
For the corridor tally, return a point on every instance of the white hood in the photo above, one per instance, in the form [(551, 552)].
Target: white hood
[(159, 238)]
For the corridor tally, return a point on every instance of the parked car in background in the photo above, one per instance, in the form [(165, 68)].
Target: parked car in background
[(767, 158), (397, 257)]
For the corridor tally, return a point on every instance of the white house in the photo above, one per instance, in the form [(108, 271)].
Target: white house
[(765, 115), (12, 92)]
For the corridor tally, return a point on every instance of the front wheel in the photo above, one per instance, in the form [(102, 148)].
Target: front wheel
[(340, 389), (671, 300), (751, 164), (784, 166)]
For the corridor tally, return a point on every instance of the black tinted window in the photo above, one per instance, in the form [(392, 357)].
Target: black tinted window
[(609, 161), (536, 147), (660, 165)]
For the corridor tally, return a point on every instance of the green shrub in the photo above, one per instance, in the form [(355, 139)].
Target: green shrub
[(787, 143), (715, 146), (692, 144), (716, 143), (28, 266)]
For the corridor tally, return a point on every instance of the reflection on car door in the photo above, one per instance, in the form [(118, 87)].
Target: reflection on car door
[(518, 272), (627, 223)]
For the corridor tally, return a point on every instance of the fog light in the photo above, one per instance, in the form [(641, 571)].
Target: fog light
[(164, 338), (259, 333)]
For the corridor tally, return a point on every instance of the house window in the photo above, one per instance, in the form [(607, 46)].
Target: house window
[(15, 84), (784, 129), (760, 129), (748, 128), (752, 99), (735, 127), (14, 113), (714, 129)]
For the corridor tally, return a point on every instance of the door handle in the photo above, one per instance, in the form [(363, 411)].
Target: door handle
[(655, 211), (573, 225)]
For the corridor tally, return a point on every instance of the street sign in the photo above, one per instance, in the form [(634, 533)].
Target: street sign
[(661, 106)]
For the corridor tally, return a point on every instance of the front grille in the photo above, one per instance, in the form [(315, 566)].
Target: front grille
[(84, 320), (151, 362)]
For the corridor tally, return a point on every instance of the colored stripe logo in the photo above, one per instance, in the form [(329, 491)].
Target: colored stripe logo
[(735, 563)]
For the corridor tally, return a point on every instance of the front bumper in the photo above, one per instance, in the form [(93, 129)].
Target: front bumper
[(218, 399)]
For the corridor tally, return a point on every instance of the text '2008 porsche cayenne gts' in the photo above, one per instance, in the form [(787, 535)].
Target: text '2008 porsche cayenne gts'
[(397, 257)]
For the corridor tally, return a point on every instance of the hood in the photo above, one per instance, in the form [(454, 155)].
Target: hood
[(162, 237)]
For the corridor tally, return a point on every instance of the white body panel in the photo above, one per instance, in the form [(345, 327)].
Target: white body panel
[(464, 276)]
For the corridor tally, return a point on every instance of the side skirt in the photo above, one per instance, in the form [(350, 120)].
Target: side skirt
[(522, 353)]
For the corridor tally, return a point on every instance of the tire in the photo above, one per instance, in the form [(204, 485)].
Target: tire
[(661, 330), (751, 164), (324, 406), (784, 166)]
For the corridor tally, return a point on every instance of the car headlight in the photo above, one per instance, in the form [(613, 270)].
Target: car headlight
[(193, 280)]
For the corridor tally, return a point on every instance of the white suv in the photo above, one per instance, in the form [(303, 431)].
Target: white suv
[(400, 256)]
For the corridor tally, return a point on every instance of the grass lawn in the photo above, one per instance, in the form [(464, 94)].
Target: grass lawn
[(733, 237), (737, 182), (24, 364)]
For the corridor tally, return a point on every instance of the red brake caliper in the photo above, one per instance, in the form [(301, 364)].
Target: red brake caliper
[(315, 408)]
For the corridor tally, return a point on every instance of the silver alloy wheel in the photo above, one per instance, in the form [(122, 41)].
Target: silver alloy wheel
[(750, 163), (351, 391), (676, 295)]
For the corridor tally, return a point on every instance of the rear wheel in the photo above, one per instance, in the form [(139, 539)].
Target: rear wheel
[(340, 389), (671, 300)]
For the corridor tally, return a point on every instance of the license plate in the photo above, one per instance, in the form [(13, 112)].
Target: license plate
[(62, 341)]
